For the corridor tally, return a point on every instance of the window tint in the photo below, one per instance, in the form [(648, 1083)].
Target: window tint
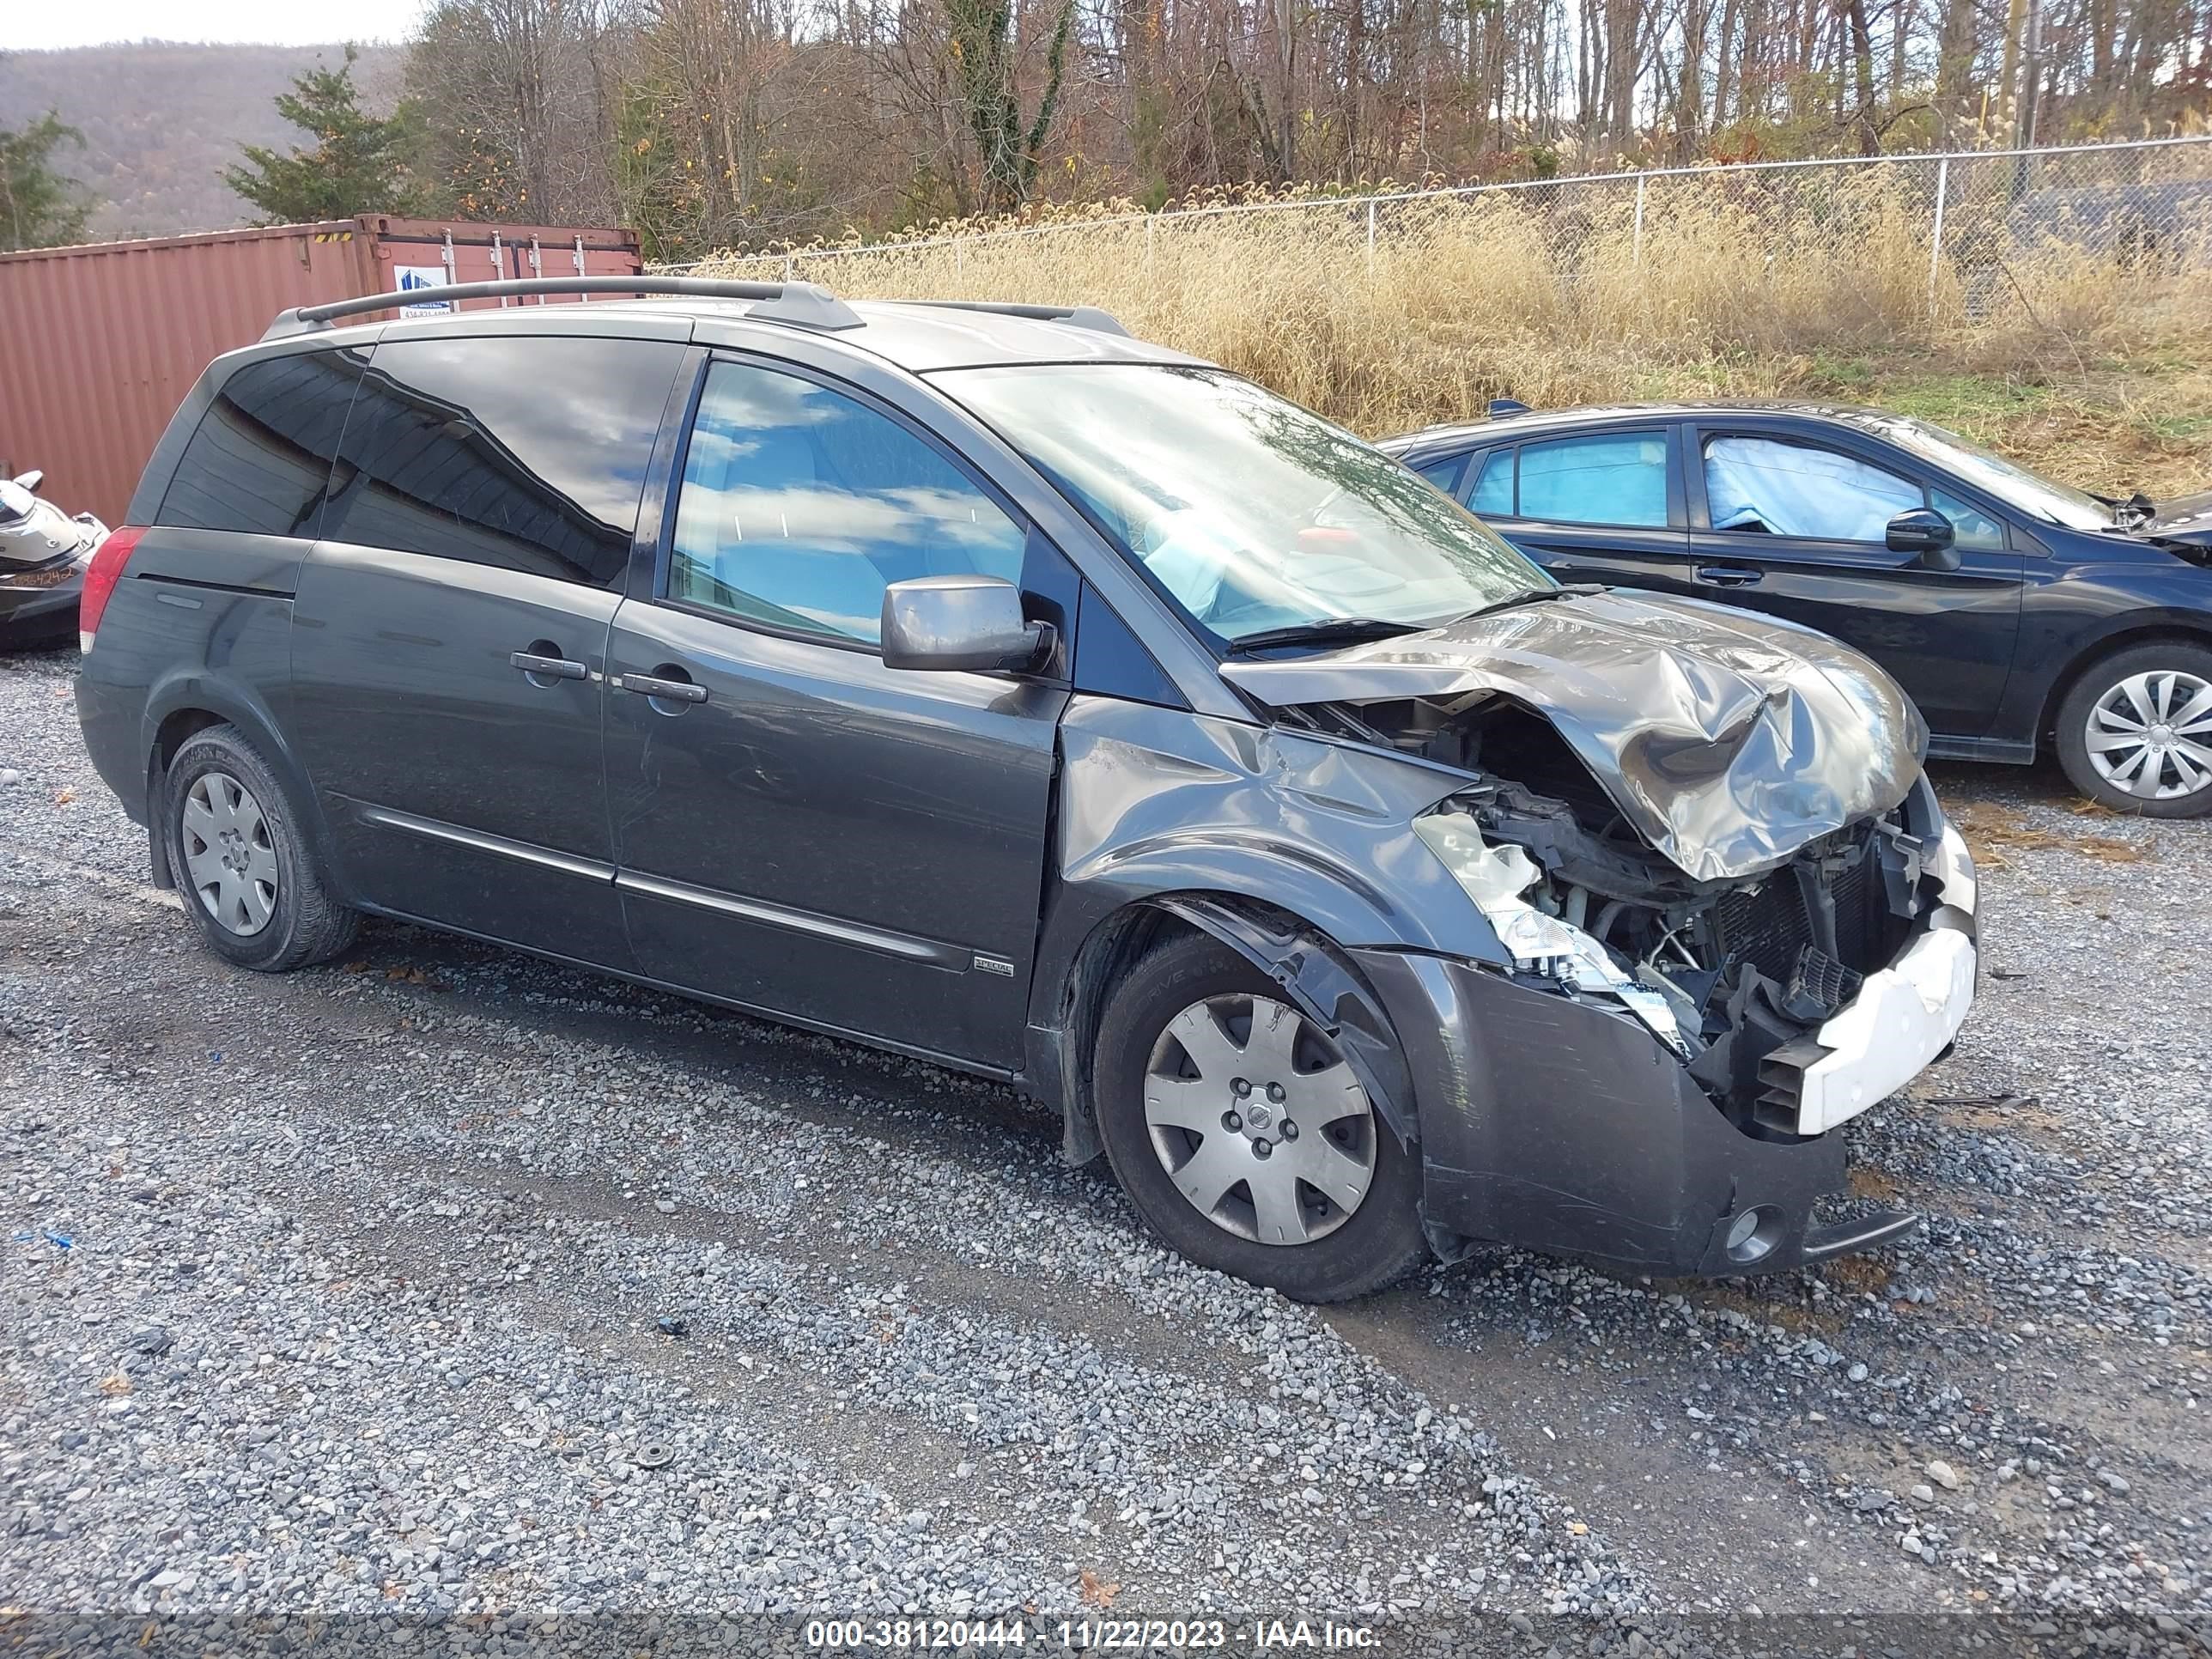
[(261, 454), (1443, 474), (1971, 526), (1493, 490), (1620, 478), (801, 505), (1764, 484), (528, 453)]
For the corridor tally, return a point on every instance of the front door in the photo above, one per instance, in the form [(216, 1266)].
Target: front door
[(799, 828), (449, 632), (1796, 529)]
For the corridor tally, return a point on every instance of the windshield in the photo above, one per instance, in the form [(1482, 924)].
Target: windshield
[(2055, 502), (1252, 514)]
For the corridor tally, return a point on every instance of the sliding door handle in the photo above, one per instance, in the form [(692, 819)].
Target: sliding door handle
[(1729, 575), (646, 685), (541, 669)]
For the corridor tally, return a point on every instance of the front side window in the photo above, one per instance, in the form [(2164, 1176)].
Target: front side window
[(259, 460), (1970, 528), (801, 505), (1250, 512), (1767, 486), (528, 453)]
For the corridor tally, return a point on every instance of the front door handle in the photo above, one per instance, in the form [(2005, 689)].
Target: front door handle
[(646, 686), (1729, 575), (552, 668)]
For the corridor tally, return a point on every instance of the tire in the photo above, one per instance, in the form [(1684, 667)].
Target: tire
[(225, 815), (2170, 680), (1149, 1089)]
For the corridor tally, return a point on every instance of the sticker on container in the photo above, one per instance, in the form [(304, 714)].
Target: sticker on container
[(414, 276)]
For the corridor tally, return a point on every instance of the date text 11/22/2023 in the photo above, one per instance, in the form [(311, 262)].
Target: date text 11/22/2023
[(1090, 1635)]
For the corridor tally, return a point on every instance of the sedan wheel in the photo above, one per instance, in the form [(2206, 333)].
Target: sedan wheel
[(2135, 731), (228, 856), (2151, 736)]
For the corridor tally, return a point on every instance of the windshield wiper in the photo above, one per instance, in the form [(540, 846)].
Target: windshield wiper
[(1532, 596), (1328, 630)]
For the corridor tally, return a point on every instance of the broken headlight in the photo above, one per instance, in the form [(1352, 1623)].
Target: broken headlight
[(1496, 877)]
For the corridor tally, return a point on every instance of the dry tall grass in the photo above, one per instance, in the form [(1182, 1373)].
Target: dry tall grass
[(1725, 290)]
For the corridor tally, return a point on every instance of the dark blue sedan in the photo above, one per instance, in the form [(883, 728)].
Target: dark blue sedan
[(2014, 609)]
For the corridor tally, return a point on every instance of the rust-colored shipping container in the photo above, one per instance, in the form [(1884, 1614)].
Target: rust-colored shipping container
[(99, 343)]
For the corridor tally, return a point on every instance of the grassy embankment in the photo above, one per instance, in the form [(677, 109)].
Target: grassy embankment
[(2094, 368)]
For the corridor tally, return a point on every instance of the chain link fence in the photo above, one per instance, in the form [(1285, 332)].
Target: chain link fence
[(1951, 232)]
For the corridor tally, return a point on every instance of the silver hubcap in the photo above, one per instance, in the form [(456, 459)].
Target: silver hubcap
[(2151, 736), (1258, 1121), (227, 855)]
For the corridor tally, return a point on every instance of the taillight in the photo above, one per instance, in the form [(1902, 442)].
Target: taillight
[(100, 579)]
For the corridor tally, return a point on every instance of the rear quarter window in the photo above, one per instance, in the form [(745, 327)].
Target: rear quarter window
[(260, 458)]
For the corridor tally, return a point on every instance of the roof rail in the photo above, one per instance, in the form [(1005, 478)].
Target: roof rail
[(801, 304), (1090, 317)]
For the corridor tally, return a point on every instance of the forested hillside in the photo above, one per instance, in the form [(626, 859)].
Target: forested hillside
[(160, 122)]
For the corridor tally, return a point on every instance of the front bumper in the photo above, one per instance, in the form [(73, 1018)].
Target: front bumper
[(1560, 1124)]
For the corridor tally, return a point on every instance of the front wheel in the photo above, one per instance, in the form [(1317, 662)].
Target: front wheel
[(2136, 732), (248, 876), (1236, 1129)]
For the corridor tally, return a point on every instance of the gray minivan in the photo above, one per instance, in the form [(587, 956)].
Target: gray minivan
[(981, 682)]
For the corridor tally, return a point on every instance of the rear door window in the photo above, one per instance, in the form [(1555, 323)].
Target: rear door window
[(528, 453), (1613, 478), (260, 457), (801, 505)]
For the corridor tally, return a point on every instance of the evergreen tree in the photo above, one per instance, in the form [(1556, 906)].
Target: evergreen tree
[(359, 164), (39, 208)]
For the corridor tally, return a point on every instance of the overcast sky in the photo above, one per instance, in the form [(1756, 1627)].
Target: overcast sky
[(284, 22)]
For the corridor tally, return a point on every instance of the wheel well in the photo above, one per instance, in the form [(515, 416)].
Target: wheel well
[(2063, 687), (176, 730), (1116, 945)]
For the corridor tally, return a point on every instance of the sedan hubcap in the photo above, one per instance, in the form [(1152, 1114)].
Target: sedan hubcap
[(1258, 1121), (228, 854), (2151, 736)]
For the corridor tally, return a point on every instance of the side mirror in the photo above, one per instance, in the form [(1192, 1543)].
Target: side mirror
[(1927, 532), (32, 479), (960, 622)]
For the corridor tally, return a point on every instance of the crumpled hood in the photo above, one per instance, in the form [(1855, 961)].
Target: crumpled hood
[(2187, 518), (1729, 739)]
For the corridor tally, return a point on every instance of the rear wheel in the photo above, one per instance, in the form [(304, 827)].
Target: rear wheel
[(1241, 1134), (2136, 732), (249, 878)]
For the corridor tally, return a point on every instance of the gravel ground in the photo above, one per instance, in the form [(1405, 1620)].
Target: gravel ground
[(446, 1281)]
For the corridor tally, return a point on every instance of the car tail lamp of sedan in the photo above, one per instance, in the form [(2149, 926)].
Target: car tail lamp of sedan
[(100, 580)]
